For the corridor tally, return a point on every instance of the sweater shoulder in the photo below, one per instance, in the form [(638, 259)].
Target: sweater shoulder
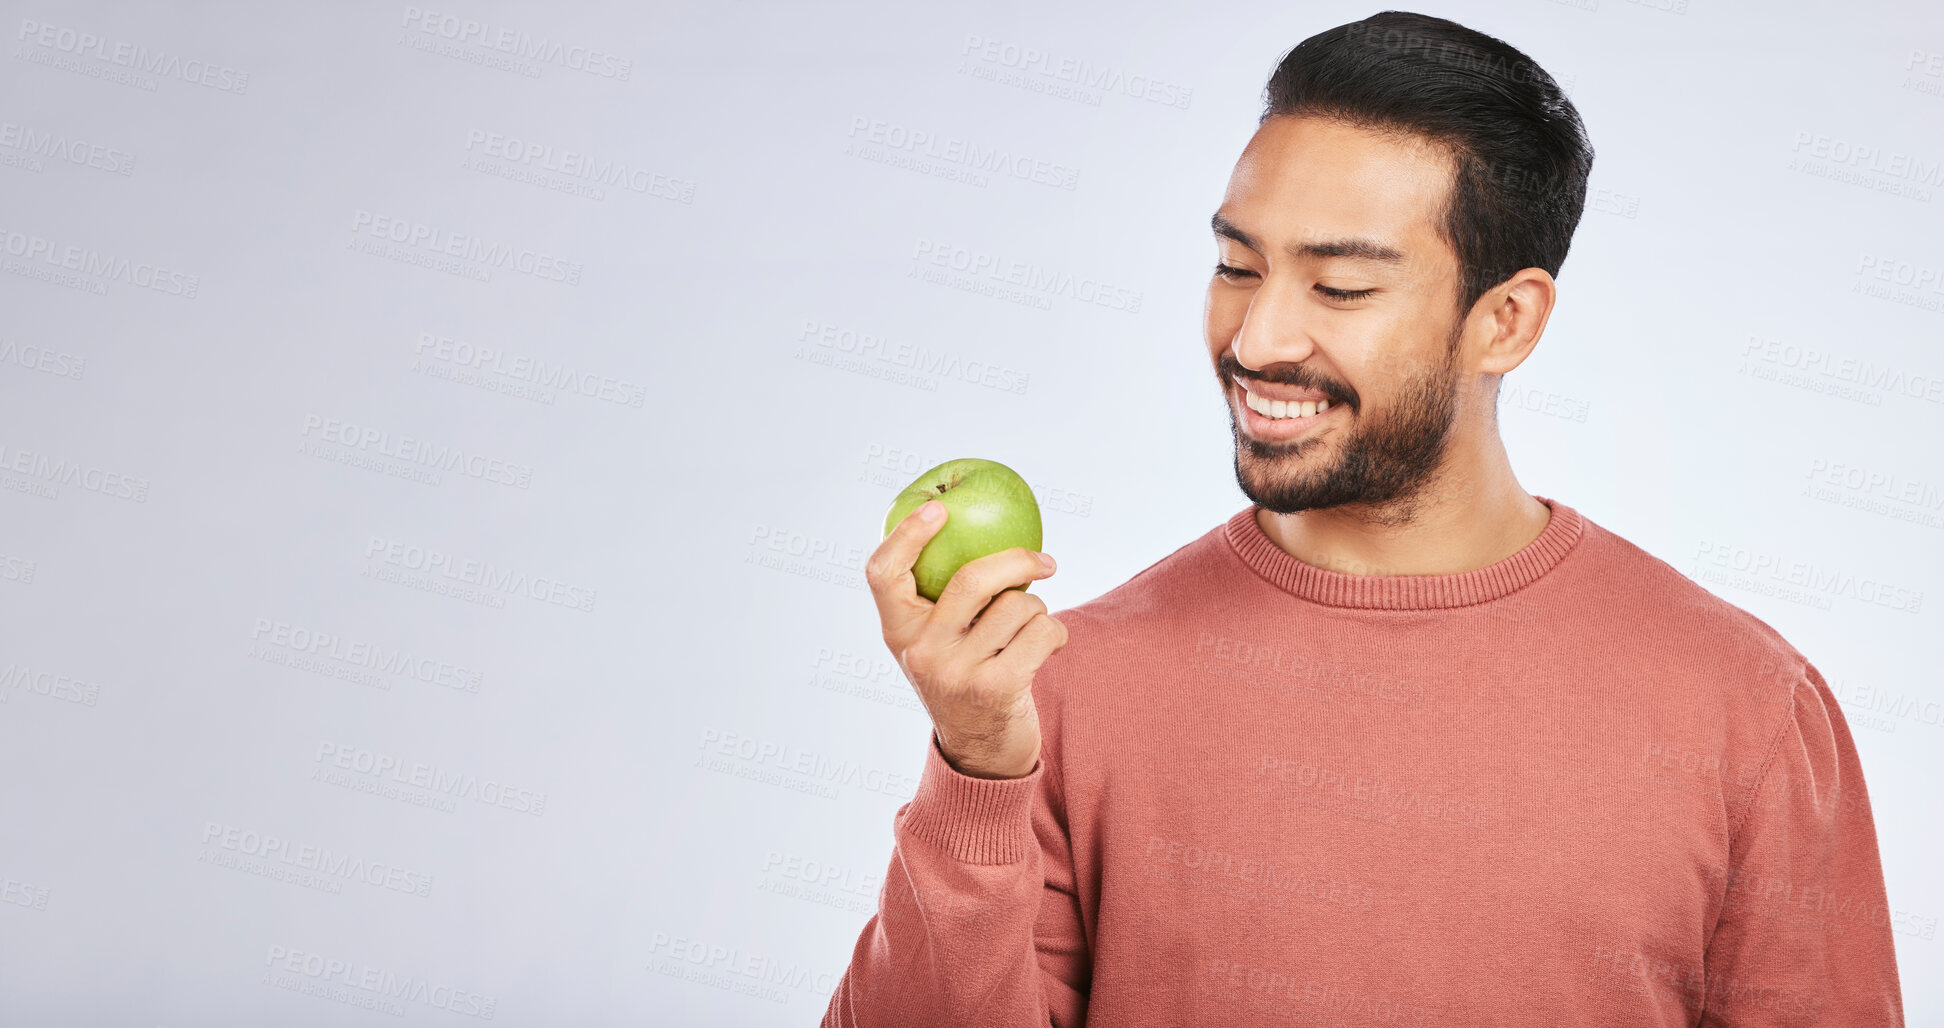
[(1116, 625), (1672, 614), (1165, 588)]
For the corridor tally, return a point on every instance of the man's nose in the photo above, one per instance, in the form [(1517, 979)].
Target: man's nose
[(1277, 327)]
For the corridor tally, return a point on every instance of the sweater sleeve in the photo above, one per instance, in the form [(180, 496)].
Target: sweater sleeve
[(978, 921), (1804, 934)]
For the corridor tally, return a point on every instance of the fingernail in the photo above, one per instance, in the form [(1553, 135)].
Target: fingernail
[(931, 510), (1046, 560)]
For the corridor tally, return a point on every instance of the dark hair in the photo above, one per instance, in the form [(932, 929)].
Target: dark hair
[(1520, 151)]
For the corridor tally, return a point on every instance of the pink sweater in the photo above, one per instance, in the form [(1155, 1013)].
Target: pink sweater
[(1571, 788)]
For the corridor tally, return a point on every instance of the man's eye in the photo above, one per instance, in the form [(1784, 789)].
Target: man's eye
[(1344, 294), (1230, 273)]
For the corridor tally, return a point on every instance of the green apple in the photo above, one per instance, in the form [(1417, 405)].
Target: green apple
[(988, 508)]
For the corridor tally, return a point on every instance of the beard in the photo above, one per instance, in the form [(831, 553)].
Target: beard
[(1381, 464)]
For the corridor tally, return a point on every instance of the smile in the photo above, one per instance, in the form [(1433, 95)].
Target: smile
[(1270, 417)]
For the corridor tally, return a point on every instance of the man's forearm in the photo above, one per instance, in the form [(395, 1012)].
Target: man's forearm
[(953, 941)]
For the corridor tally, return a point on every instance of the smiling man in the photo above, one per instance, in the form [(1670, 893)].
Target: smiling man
[(1398, 743)]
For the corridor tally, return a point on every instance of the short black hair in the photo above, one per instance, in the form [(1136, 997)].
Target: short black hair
[(1520, 152)]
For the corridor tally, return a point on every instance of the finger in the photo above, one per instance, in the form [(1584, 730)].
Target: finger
[(1000, 621), (974, 585), (1037, 640), (888, 571)]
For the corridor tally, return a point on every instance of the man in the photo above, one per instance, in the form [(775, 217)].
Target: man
[(1399, 744)]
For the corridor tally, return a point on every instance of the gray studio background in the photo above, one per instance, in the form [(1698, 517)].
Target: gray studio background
[(439, 445)]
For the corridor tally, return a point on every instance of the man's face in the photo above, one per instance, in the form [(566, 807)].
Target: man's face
[(1343, 296)]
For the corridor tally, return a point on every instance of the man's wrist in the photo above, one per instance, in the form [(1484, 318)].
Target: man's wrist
[(994, 767)]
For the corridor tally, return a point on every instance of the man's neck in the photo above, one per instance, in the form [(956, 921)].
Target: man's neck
[(1471, 515)]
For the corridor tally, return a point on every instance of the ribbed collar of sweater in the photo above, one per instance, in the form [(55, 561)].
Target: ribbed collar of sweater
[(1407, 592)]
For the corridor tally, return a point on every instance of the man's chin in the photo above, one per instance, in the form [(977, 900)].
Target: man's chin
[(1273, 490)]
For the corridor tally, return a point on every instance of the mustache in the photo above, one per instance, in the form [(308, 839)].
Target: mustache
[(1227, 367)]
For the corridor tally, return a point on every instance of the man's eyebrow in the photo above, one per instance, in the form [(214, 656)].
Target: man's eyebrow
[(1352, 248)]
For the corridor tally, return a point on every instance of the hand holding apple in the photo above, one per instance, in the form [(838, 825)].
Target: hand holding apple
[(972, 654), (991, 509)]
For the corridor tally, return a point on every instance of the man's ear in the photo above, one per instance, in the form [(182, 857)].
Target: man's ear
[(1509, 319)]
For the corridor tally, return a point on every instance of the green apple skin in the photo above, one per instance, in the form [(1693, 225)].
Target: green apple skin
[(988, 508)]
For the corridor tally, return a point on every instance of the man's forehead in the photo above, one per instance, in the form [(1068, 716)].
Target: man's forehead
[(1302, 179), (1315, 140)]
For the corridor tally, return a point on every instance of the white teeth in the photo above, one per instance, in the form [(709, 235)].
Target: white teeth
[(1284, 409)]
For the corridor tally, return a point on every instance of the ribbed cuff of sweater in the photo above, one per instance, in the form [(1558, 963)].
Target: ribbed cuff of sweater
[(974, 820)]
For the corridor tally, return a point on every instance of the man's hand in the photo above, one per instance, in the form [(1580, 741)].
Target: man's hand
[(971, 656)]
